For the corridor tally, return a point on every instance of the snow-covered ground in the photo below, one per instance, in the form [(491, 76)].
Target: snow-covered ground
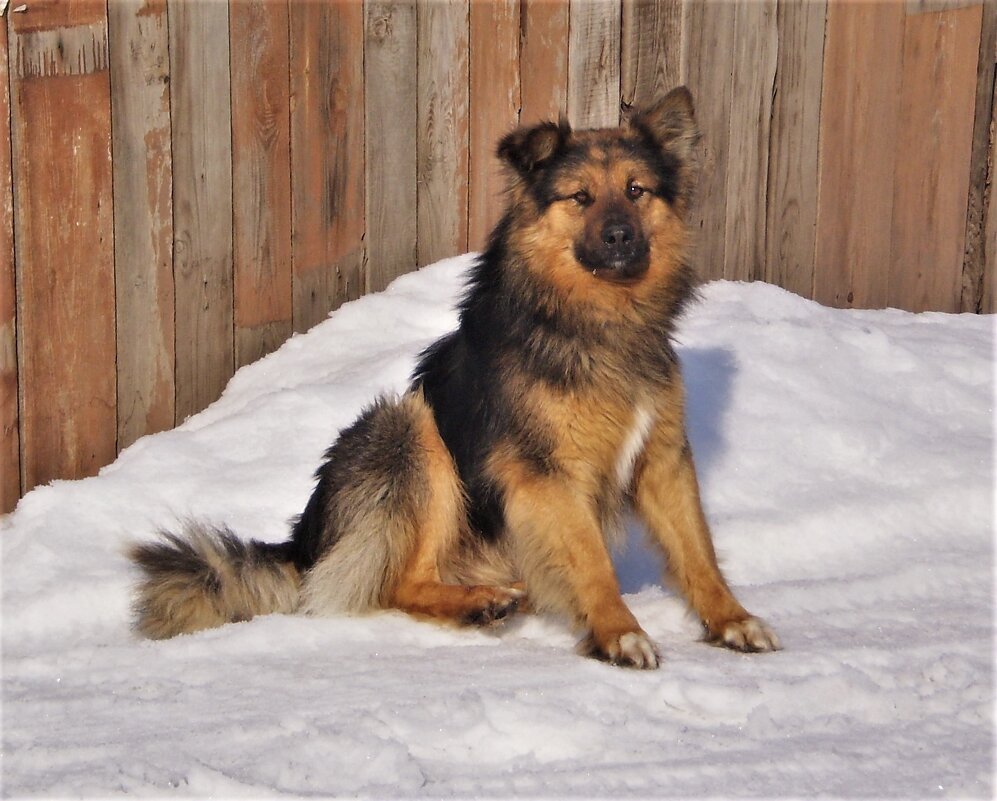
[(847, 467)]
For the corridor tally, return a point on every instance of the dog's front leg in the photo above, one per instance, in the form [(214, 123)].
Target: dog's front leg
[(666, 495), (566, 567)]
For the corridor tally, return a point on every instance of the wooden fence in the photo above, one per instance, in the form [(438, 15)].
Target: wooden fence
[(189, 181)]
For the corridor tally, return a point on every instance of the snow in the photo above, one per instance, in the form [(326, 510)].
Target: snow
[(847, 466)]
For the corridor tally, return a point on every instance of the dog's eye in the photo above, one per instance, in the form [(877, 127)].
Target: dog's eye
[(582, 198), (635, 191)]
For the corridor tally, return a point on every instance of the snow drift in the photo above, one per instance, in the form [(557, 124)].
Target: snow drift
[(846, 461)]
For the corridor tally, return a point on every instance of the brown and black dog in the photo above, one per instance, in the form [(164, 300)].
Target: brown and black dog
[(503, 472)]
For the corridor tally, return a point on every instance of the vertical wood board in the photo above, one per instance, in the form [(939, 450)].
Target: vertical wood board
[(652, 50), (934, 148), (709, 28), (594, 64), (202, 201), (495, 101), (61, 137), (390, 90), (143, 217), (791, 208), (261, 177), (755, 54), (543, 60), (443, 130), (974, 258), (858, 134), (327, 158), (988, 303), (10, 441)]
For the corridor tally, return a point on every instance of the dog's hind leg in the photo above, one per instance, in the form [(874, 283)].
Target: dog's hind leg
[(438, 523)]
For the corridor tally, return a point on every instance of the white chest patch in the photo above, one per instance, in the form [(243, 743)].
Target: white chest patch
[(633, 445)]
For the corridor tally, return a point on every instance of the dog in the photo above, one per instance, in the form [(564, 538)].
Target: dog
[(498, 480)]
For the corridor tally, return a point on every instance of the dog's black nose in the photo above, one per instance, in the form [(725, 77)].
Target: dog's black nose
[(617, 235)]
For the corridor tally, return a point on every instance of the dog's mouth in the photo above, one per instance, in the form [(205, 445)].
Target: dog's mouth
[(620, 268)]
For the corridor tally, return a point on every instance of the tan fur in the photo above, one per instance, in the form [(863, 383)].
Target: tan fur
[(419, 588), (547, 240), (666, 495)]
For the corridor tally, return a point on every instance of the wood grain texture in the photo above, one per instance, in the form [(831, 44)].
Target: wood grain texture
[(791, 216), (10, 440), (543, 60), (202, 201), (261, 177), (929, 6), (756, 48), (327, 157), (594, 64), (391, 96), (974, 258), (858, 133), (652, 50), (143, 217), (61, 137), (988, 302), (708, 28), (494, 109), (50, 15), (934, 147), (443, 130)]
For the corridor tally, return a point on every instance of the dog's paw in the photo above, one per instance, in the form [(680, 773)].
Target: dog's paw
[(494, 606), (632, 649), (750, 635)]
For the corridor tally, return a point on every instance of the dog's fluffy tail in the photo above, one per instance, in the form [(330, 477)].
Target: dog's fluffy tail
[(207, 577)]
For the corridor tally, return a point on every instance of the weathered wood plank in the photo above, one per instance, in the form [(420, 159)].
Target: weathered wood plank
[(327, 157), (791, 209), (756, 48), (708, 28), (202, 201), (261, 177), (594, 63), (143, 217), (61, 137), (652, 49), (934, 147), (928, 6), (49, 15), (543, 60), (391, 96), (858, 132), (974, 257), (494, 111), (443, 130), (988, 303), (10, 440)]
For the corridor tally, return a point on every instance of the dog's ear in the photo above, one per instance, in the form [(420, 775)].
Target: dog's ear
[(671, 124), (527, 150)]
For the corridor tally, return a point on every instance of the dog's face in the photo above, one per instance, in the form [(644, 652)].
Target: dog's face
[(607, 205)]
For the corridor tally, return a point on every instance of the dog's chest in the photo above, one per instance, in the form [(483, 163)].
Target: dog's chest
[(633, 445)]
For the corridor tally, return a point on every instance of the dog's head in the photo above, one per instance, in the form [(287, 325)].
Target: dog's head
[(610, 202)]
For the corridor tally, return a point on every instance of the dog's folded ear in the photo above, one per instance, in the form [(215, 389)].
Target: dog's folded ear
[(527, 149)]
